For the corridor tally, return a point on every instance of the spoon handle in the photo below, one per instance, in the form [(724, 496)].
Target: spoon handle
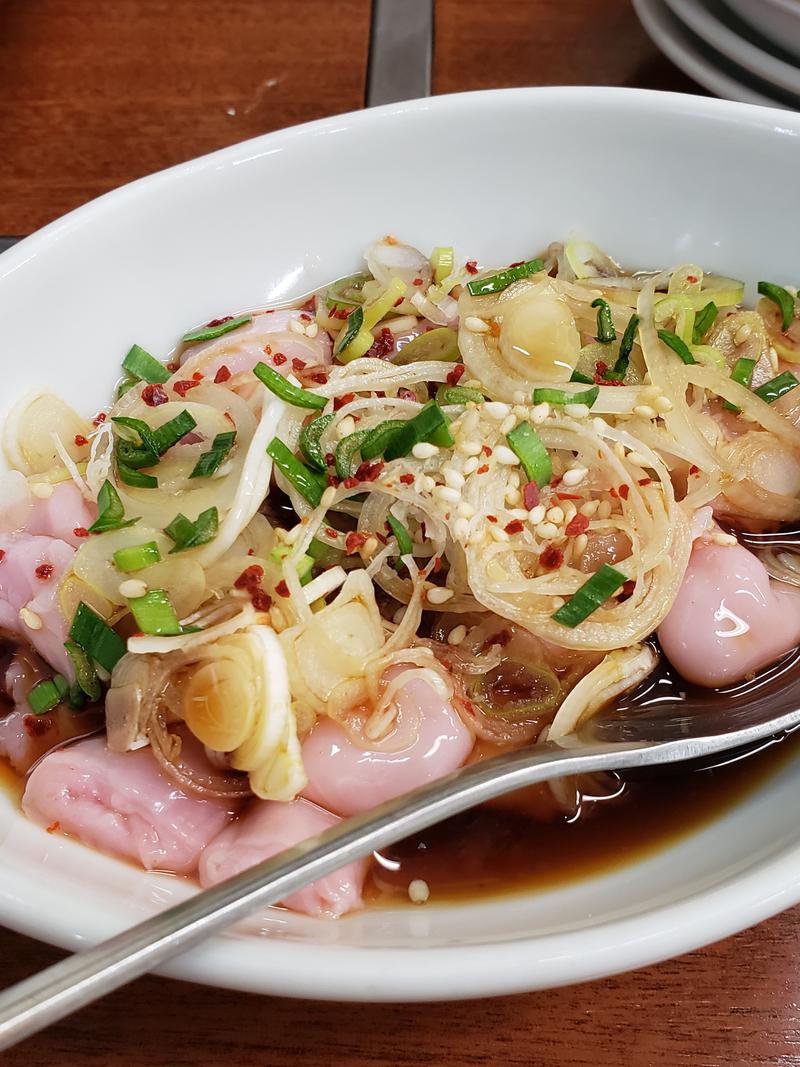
[(78, 980)]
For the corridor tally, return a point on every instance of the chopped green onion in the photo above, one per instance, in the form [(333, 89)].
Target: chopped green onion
[(584, 379), (137, 557), (776, 387), (135, 478), (785, 301), (310, 484), (304, 565), (110, 511), (154, 614), (347, 291), (458, 394), (525, 442), (187, 534), (594, 592), (171, 432), (498, 282), (126, 385), (345, 453), (355, 321), (209, 333), (85, 674), (429, 425), (679, 347), (142, 366), (310, 440), (442, 261), (377, 440), (132, 454), (440, 344), (742, 373), (46, 695), (211, 461), (704, 322), (281, 387), (405, 545), (620, 368), (96, 638), (605, 321), (323, 554), (561, 396)]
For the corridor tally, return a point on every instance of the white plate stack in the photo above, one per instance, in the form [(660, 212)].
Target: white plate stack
[(742, 49)]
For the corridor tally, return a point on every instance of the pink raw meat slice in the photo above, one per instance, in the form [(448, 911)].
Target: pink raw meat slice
[(31, 569)]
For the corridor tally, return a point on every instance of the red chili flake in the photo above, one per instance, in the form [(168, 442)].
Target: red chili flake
[(80, 440), (694, 469), (44, 572), (319, 378), (279, 359), (51, 829), (330, 459), (260, 600), (417, 281), (219, 322), (691, 278), (567, 496), (339, 313), (100, 417), (644, 481), (407, 479), (329, 530), (182, 388), (624, 491), (491, 518), (369, 471), (600, 369), (309, 305), (353, 542), (222, 375), (153, 395), (576, 526), (282, 589), (80, 531), (486, 451), (437, 564), (530, 495), (250, 577), (340, 401), (398, 302), (515, 526), (406, 394), (613, 492), (251, 551), (471, 266), (626, 590), (455, 375), (483, 469), (305, 317), (267, 350), (298, 364), (551, 557), (334, 481), (36, 726), (494, 328), (2, 554), (197, 376), (383, 344), (518, 263), (172, 367), (230, 418), (501, 638)]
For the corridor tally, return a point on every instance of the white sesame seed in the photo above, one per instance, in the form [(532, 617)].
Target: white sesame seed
[(438, 595), (570, 511), (472, 383), (619, 450), (600, 426), (424, 450), (521, 411), (638, 460), (42, 490), (457, 635), (576, 411), (742, 334), (469, 448), (589, 508), (579, 544), (312, 330), (503, 454), (471, 465), (514, 497), (346, 427), (536, 515), (461, 529), (418, 891), (466, 510), (558, 602), (574, 476), (30, 618), (427, 484), (508, 424), (518, 396), (546, 531), (645, 411), (649, 393), (514, 480), (539, 413), (369, 548), (476, 325), (773, 358), (496, 409), (663, 404), (498, 533), (519, 513), (296, 326), (555, 515), (328, 497), (453, 478), (604, 509), (132, 588), (444, 492), (720, 538)]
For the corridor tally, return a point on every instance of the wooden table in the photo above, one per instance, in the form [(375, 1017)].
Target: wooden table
[(95, 94)]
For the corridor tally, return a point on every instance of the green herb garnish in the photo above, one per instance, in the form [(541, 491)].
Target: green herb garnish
[(591, 595), (210, 333), (785, 301), (678, 346), (110, 511), (605, 321), (143, 367), (96, 638), (496, 283), (211, 461), (187, 534), (309, 483), (137, 557), (281, 387), (525, 442)]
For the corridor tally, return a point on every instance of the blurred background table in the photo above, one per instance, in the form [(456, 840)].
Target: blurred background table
[(93, 95)]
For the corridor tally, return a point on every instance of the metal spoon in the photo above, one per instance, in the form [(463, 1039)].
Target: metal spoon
[(778, 550), (662, 722)]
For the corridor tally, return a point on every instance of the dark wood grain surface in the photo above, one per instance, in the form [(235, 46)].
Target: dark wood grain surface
[(95, 94)]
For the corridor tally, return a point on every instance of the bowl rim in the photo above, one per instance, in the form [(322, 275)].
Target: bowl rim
[(418, 973)]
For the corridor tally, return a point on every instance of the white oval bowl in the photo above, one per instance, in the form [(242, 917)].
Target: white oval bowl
[(656, 179), (777, 20)]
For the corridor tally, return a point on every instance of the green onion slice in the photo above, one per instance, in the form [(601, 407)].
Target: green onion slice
[(560, 397), (704, 321), (110, 511), (591, 595), (323, 554), (172, 431), (187, 534), (584, 379), (133, 453), (310, 440), (126, 385), (209, 333), (211, 461), (143, 367), (281, 387), (345, 453), (442, 261), (679, 347), (525, 442), (742, 373), (303, 567), (96, 638), (310, 484), (154, 614), (785, 301), (377, 440), (354, 322), (605, 321), (85, 674), (620, 368), (428, 425), (498, 282), (405, 545), (47, 694), (347, 291), (439, 344), (137, 557), (458, 394), (776, 387), (134, 478)]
